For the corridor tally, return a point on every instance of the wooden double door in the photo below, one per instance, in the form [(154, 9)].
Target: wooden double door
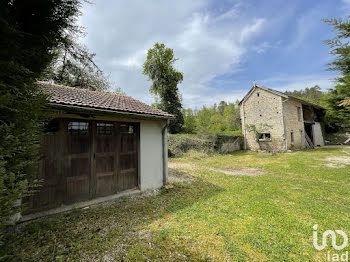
[(82, 160)]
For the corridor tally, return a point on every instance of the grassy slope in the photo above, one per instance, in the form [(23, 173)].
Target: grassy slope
[(216, 217)]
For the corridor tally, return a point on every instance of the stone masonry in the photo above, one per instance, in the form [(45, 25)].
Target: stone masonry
[(266, 113)]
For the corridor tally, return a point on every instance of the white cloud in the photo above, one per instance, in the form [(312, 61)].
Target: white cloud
[(262, 47), (207, 45), (251, 29)]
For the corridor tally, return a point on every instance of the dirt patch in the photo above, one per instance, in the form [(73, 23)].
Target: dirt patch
[(240, 171), (337, 161), (179, 176)]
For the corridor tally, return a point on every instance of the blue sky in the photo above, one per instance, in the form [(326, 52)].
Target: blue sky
[(222, 46)]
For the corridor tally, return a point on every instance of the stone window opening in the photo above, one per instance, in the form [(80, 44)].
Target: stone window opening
[(292, 137), (257, 94), (264, 137), (299, 113)]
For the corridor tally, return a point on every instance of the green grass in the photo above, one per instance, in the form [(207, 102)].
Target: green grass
[(217, 217)]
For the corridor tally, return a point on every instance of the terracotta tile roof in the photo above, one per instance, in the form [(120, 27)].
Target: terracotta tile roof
[(70, 96)]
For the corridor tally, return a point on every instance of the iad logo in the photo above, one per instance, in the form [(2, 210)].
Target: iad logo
[(334, 256), (334, 239)]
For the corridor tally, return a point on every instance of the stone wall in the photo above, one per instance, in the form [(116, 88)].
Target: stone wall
[(294, 125), (264, 111)]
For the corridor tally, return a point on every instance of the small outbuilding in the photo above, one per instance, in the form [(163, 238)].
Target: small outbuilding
[(274, 121), (98, 144)]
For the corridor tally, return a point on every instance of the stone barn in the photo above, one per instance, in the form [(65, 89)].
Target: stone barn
[(277, 122)]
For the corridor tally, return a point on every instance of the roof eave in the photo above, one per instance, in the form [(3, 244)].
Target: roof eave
[(119, 112)]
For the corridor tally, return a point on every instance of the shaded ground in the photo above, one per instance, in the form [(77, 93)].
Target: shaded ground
[(240, 171), (205, 215), (177, 176)]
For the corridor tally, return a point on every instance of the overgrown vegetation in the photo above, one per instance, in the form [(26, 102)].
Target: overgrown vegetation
[(180, 144), (30, 31), (216, 217)]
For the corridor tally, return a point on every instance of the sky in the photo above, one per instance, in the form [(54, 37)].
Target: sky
[(221, 46)]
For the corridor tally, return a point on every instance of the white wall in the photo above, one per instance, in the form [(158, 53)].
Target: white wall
[(151, 163), (317, 134)]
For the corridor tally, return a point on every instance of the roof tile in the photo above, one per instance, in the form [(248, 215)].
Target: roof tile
[(65, 95)]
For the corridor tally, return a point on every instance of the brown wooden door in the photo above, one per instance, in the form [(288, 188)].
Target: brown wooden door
[(105, 158), (84, 159), (128, 156), (78, 172), (52, 191)]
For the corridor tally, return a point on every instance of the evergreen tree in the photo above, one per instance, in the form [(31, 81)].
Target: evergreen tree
[(338, 114), (30, 31), (74, 65), (159, 67)]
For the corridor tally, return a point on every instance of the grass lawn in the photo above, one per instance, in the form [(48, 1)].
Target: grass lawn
[(210, 216)]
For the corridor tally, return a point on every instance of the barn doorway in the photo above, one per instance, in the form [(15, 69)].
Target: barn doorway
[(308, 130)]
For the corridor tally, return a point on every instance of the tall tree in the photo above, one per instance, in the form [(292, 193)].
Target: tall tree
[(75, 66), (30, 31), (339, 112), (221, 119), (159, 67), (222, 106), (190, 123)]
